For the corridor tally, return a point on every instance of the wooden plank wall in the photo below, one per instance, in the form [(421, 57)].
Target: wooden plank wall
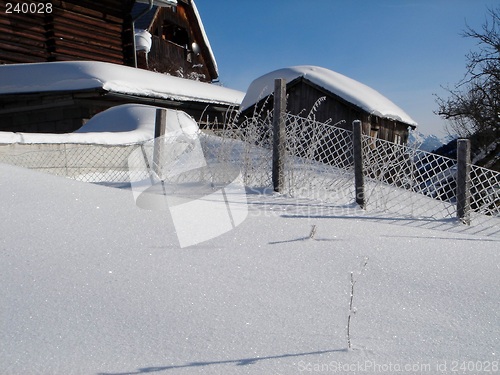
[(73, 30), (168, 57), (22, 37), (86, 31)]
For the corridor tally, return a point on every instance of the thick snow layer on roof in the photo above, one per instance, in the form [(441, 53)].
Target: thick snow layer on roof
[(124, 124), (347, 88), (80, 75)]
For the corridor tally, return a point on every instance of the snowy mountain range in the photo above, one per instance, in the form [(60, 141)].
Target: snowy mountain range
[(428, 142)]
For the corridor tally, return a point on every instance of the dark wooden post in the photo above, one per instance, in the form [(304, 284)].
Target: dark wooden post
[(359, 182), (279, 134), (463, 180), (159, 142)]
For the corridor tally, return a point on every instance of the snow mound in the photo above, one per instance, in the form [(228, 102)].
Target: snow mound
[(123, 124), (84, 75), (347, 88)]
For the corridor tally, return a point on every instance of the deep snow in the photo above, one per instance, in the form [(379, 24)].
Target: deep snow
[(91, 284)]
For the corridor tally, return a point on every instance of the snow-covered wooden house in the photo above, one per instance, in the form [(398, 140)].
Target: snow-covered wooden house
[(170, 37), (175, 41), (344, 99), (76, 58), (59, 97)]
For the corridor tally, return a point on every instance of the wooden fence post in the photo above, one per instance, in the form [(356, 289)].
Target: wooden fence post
[(359, 182), (159, 142), (279, 134), (463, 180)]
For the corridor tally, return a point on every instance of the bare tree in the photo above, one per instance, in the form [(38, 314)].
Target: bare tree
[(473, 105)]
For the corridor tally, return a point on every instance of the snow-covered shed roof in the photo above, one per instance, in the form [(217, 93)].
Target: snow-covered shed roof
[(85, 75), (347, 88)]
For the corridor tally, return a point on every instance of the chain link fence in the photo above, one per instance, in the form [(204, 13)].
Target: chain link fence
[(412, 182), (82, 162), (399, 179)]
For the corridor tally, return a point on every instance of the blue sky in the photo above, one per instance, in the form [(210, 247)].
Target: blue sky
[(405, 49)]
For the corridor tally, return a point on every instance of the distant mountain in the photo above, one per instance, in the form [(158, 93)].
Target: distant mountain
[(428, 142)]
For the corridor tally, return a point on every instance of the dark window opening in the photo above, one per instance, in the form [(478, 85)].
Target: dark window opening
[(176, 34)]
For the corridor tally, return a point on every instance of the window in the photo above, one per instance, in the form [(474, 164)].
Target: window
[(374, 135), (176, 34)]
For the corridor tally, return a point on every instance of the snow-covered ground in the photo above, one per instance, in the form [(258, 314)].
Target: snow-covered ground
[(92, 284)]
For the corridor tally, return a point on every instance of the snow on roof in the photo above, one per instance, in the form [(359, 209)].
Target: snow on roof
[(347, 88), (123, 124), (205, 37), (81, 75)]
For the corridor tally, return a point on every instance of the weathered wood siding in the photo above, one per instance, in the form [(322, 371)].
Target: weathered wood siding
[(102, 31), (86, 30), (22, 37), (302, 98), (175, 57), (72, 30), (47, 112)]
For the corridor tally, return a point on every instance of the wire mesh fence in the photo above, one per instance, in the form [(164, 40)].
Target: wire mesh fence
[(399, 179), (319, 161), (83, 162), (409, 181)]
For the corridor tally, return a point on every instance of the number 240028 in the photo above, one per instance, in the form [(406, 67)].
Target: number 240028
[(28, 8)]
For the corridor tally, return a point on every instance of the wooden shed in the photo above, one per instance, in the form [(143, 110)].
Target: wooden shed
[(59, 97), (344, 99)]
